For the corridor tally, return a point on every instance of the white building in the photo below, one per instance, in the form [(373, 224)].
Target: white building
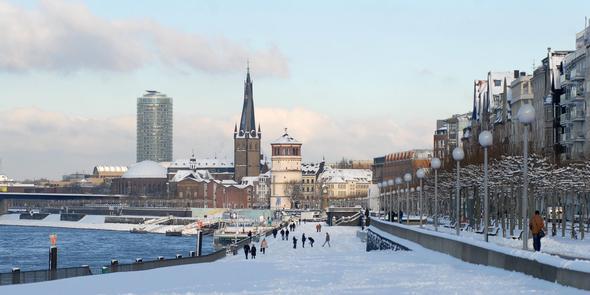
[(285, 172)]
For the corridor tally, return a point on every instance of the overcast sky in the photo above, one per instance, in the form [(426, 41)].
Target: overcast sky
[(349, 79)]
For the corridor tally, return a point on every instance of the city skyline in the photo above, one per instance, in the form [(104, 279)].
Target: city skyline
[(81, 111)]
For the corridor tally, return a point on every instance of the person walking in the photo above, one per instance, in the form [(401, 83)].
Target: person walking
[(327, 240), (293, 226), (294, 243), (303, 240), (311, 240), (282, 234), (287, 234), (274, 233), (246, 250), (253, 251), (536, 226), (263, 246)]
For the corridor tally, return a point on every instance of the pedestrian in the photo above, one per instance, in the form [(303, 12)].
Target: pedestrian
[(318, 228), (249, 234), (282, 234), (536, 226), (246, 250), (287, 234), (327, 240), (293, 226), (311, 240), (263, 246), (294, 243), (253, 251), (274, 233), (303, 240)]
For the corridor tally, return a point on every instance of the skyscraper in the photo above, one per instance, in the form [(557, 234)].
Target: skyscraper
[(154, 127), (247, 138)]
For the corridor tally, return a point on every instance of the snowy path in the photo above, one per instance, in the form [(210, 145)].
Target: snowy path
[(345, 268)]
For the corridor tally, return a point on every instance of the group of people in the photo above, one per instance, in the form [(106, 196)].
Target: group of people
[(250, 249)]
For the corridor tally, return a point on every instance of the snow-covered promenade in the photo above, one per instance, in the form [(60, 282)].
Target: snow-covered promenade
[(344, 268)]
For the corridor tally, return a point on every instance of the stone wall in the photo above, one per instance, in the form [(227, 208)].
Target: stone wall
[(377, 242), (480, 255)]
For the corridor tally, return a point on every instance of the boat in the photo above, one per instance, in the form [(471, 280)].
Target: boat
[(174, 233), (138, 231)]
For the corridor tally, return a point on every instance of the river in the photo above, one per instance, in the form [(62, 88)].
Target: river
[(28, 247)]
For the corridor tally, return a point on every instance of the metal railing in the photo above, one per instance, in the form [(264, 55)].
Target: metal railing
[(145, 265), (34, 276)]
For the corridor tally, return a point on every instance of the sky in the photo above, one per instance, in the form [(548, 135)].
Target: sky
[(347, 78)]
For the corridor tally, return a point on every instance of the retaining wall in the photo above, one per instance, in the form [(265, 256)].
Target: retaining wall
[(479, 255)]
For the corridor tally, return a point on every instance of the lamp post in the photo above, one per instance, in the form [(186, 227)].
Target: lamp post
[(526, 115), (390, 202), (458, 156), (420, 174), (398, 182), (485, 140), (407, 179), (379, 185), (435, 165)]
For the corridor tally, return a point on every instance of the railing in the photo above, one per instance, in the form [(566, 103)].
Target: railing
[(34, 276), (145, 265)]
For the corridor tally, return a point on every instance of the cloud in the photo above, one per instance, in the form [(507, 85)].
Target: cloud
[(39, 143), (67, 37)]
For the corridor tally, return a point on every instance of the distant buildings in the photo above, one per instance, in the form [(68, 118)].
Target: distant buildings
[(397, 164), (154, 127), (286, 189), (345, 183), (312, 192), (146, 178)]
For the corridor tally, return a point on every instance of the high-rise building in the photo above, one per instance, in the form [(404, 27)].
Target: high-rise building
[(154, 127), (247, 138)]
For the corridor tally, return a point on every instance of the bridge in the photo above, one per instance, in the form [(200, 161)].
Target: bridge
[(4, 197)]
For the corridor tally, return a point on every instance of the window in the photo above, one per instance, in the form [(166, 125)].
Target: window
[(497, 83)]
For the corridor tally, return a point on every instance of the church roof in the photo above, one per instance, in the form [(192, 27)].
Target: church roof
[(203, 163), (248, 120), (199, 176), (145, 169), (285, 139)]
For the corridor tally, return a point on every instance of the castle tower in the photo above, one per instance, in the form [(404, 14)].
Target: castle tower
[(286, 172), (246, 137)]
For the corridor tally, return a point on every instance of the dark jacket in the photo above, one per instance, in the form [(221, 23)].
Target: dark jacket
[(253, 251), (246, 248)]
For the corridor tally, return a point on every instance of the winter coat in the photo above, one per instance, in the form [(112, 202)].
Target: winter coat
[(253, 250), (246, 248), (536, 224), (327, 237), (263, 244), (303, 238)]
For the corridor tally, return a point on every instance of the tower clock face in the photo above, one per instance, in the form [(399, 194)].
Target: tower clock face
[(253, 133)]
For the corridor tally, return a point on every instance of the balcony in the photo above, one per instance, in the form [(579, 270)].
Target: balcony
[(580, 138)]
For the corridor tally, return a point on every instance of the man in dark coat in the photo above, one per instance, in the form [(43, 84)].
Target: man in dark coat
[(253, 251), (246, 250), (274, 233), (282, 233), (311, 240), (294, 243), (303, 240), (287, 234)]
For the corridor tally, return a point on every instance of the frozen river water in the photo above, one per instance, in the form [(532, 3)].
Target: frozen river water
[(27, 247)]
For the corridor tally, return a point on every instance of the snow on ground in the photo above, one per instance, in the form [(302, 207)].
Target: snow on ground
[(53, 220), (344, 268), (552, 245), (514, 250)]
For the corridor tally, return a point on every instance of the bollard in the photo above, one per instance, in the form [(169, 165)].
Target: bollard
[(138, 260), (16, 275), (160, 258), (114, 262), (104, 269), (199, 246), (178, 256), (53, 258), (191, 253)]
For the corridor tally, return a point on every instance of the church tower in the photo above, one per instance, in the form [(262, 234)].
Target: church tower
[(246, 137)]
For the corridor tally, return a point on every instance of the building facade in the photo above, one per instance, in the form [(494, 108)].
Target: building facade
[(311, 191), (220, 169), (247, 138), (345, 183), (286, 187), (154, 127)]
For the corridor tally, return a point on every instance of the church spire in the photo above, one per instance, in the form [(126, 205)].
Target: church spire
[(248, 122)]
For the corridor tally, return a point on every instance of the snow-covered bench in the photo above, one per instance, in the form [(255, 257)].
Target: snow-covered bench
[(517, 234)]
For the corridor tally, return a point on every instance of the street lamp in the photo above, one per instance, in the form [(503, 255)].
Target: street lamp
[(398, 182), (485, 140), (379, 185), (458, 155), (526, 115), (407, 179), (435, 165), (390, 199), (420, 174)]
